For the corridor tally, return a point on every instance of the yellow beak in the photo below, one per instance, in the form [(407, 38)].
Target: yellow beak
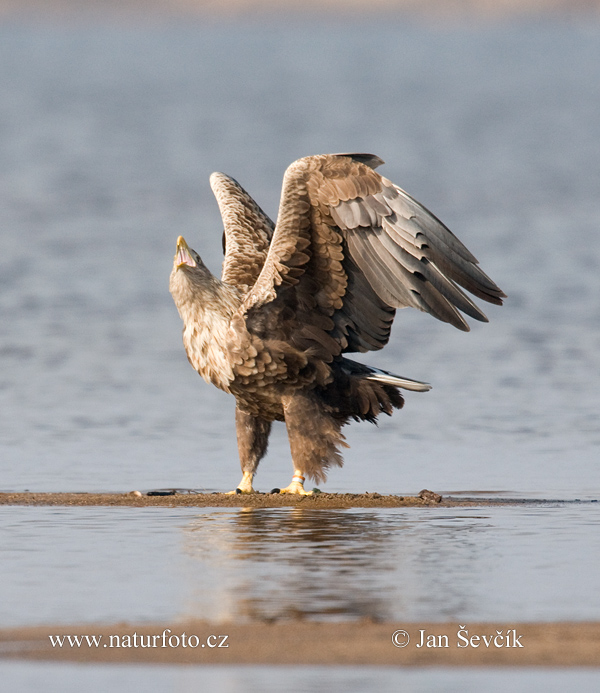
[(183, 255)]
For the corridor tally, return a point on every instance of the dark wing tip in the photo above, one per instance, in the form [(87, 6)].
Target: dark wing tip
[(371, 160)]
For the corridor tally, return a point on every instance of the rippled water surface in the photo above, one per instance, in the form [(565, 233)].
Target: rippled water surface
[(75, 565), (108, 136)]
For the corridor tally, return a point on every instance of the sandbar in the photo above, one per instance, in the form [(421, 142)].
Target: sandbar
[(562, 644), (177, 498)]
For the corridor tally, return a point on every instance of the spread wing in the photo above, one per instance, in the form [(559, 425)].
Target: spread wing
[(350, 247), (247, 232)]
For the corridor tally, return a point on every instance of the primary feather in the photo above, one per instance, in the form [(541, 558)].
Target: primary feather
[(348, 249)]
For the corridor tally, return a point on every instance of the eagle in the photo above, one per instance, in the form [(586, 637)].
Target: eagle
[(349, 248)]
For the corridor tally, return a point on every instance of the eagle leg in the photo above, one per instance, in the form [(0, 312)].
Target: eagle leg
[(314, 435), (245, 485), (252, 438), (297, 485)]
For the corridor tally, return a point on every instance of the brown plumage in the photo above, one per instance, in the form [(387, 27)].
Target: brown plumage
[(349, 248)]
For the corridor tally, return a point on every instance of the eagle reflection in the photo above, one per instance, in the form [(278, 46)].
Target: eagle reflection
[(292, 563)]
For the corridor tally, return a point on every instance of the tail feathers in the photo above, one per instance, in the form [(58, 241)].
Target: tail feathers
[(361, 392), (396, 380)]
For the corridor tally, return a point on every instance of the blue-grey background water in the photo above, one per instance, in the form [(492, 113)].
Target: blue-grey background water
[(107, 138)]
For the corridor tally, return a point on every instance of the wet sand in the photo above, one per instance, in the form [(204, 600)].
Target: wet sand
[(309, 643), (179, 498)]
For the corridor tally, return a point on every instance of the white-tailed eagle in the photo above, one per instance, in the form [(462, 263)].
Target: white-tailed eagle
[(348, 249)]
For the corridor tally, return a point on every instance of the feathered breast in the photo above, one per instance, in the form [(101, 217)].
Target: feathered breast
[(206, 306)]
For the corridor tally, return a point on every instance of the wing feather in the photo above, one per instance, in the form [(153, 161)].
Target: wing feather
[(351, 246), (431, 273), (247, 232)]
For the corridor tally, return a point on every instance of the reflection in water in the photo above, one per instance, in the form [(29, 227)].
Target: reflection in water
[(75, 565), (271, 564)]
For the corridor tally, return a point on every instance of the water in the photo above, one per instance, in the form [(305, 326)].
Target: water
[(108, 137), (71, 678), (507, 564)]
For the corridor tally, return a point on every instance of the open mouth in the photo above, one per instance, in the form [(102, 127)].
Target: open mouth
[(183, 256)]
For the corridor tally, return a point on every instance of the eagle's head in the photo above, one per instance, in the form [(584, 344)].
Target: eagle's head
[(190, 279), (185, 256), (195, 289)]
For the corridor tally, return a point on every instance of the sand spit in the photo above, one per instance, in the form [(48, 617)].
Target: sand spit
[(356, 643), (180, 498)]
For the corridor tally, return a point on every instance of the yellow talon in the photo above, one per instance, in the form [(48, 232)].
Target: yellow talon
[(245, 485), (297, 485)]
